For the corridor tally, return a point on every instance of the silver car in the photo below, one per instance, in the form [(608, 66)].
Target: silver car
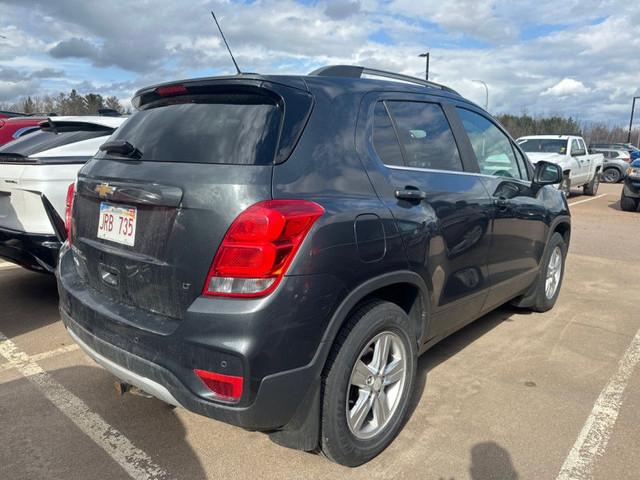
[(615, 164)]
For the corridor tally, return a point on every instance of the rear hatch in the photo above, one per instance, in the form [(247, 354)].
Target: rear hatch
[(152, 208)]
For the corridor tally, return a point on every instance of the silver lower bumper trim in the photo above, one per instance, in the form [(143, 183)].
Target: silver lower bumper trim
[(143, 383)]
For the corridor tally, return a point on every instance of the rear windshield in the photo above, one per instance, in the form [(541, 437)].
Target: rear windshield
[(42, 140), (544, 145), (216, 128)]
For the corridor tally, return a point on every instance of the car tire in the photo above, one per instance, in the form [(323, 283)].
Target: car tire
[(611, 175), (565, 186), (628, 204), (591, 188), (551, 274), (362, 408)]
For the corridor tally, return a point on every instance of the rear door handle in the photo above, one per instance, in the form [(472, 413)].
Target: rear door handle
[(410, 194)]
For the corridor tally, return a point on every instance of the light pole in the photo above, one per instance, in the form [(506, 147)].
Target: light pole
[(633, 106), (426, 68), (486, 96)]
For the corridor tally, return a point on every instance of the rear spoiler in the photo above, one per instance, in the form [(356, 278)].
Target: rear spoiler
[(56, 126)]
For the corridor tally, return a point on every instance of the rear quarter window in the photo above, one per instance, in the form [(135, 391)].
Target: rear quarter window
[(385, 141)]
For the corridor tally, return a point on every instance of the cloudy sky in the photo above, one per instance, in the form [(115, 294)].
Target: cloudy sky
[(571, 57)]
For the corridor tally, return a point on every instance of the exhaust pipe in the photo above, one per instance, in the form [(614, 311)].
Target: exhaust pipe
[(123, 387)]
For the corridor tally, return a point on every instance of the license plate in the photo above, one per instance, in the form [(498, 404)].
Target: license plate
[(117, 224)]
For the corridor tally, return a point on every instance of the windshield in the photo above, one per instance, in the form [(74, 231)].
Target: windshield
[(544, 146)]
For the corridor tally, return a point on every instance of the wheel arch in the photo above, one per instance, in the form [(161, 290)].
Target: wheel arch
[(561, 225), (406, 289)]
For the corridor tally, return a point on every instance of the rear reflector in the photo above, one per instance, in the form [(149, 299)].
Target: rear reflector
[(259, 247), (69, 208), (171, 90), (227, 387)]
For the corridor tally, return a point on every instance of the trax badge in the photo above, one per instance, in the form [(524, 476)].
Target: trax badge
[(104, 189)]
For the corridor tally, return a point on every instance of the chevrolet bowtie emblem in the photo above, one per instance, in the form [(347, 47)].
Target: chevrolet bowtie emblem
[(104, 189)]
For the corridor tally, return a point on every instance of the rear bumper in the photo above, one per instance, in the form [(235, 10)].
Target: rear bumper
[(159, 354), (278, 399), (33, 251)]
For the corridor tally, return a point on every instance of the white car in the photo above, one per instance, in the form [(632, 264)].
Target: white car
[(35, 173)]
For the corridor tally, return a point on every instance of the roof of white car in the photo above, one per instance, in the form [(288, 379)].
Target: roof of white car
[(105, 121)]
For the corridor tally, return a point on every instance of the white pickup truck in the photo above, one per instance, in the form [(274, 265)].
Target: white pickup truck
[(580, 168)]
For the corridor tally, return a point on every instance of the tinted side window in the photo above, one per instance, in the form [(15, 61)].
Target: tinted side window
[(492, 147), (385, 141), (426, 135)]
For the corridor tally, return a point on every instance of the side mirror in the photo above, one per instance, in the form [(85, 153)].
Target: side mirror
[(576, 153), (547, 173)]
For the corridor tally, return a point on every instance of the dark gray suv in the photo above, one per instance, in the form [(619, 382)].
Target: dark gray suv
[(276, 251)]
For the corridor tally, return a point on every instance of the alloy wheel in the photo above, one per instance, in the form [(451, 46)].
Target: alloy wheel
[(376, 385), (611, 175), (554, 269)]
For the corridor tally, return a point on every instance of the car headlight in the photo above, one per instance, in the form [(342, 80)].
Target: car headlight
[(634, 173)]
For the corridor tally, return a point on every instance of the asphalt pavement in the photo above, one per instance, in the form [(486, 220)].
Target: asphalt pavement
[(514, 395)]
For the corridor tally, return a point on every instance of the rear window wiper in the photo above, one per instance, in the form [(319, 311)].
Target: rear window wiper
[(122, 148)]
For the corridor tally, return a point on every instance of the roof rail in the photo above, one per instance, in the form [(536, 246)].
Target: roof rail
[(354, 71)]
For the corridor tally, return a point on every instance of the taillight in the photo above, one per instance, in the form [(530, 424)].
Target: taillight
[(69, 207), (171, 90), (259, 247), (226, 387), (626, 159)]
